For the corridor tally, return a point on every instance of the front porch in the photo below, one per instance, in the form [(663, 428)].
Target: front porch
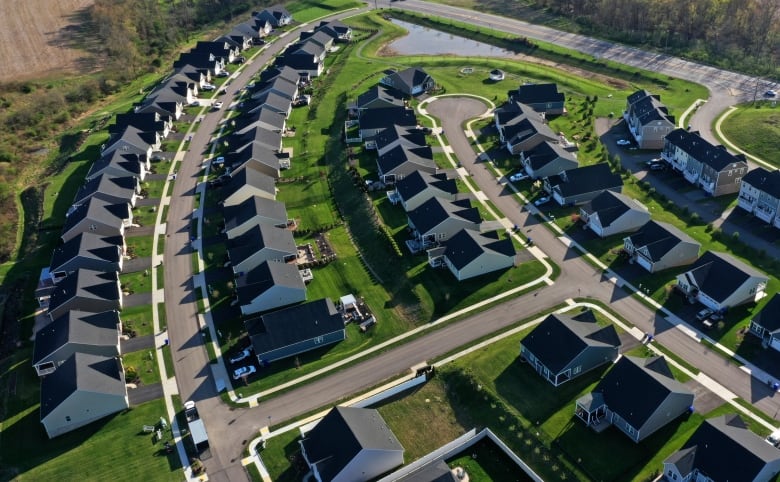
[(592, 410)]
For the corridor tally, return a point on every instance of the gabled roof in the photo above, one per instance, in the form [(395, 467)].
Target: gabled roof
[(637, 96), (699, 149), (418, 181), (135, 137), (264, 277), (279, 84), (263, 117), (437, 471), (611, 205), (87, 245), (145, 121), (249, 177), (545, 153), (260, 237), (118, 161), (284, 72), (317, 36), (256, 133), (79, 327), (718, 275), (659, 238), (294, 324), (255, 205), (512, 110), (523, 127), (537, 94), (560, 338), (635, 387), (307, 48), (723, 447), (253, 151), (584, 179), (105, 184), (379, 94), (408, 78), (342, 434), (435, 211), (769, 316), (86, 283), (217, 48), (409, 137), (271, 100), (236, 39), (336, 25), (764, 180), (81, 372), (421, 157), (99, 211), (467, 245), (388, 117)]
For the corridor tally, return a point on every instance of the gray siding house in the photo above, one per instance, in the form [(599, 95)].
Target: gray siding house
[(255, 210), (86, 290), (269, 286), (543, 98), (420, 186), (548, 159), (84, 389), (638, 396), (350, 444), (259, 244), (759, 194), (411, 82), (98, 217), (87, 251), (580, 185), (563, 347), (766, 324), (658, 246), (437, 220), (297, 329), (612, 213), (648, 119), (469, 254), (245, 184)]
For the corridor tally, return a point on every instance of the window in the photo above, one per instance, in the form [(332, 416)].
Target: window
[(67, 418), (577, 369)]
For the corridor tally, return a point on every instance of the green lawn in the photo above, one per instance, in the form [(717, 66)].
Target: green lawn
[(139, 246), (138, 318), (154, 189), (306, 11), (145, 365), (756, 130), (138, 282)]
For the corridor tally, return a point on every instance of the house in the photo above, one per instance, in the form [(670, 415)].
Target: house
[(540, 97), (132, 140), (580, 185), (255, 156), (766, 323), (294, 330), (239, 39), (76, 332), (272, 101), (511, 110), (277, 16), (723, 448), (394, 136), (319, 37), (307, 58), (710, 167), (563, 347), (259, 244), (759, 194), (270, 139), (351, 444), (145, 122), (409, 82), (400, 161), (223, 50), (280, 71), (337, 29), (376, 97), (638, 396), (648, 119), (255, 210), (192, 77), (116, 190), (88, 251), (658, 246), (375, 121), (469, 253), (84, 389), (254, 29), (98, 217), (523, 133), (120, 164), (269, 286), (164, 101), (264, 118), (86, 290), (279, 85), (719, 281), (201, 60), (437, 220), (245, 184), (420, 186), (611, 213), (547, 159)]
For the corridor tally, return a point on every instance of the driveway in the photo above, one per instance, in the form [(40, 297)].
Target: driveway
[(144, 393)]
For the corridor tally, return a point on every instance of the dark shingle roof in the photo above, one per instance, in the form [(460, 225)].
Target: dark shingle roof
[(638, 95), (279, 84), (268, 138), (388, 117), (238, 215), (537, 94), (723, 447), (765, 181), (249, 177), (560, 338), (98, 210), (610, 206), (80, 327), (259, 237), (696, 147), (285, 73), (409, 137), (108, 187), (659, 238), (769, 316), (418, 181), (467, 245), (521, 128), (117, 162), (585, 179), (545, 153), (435, 211), (381, 95), (437, 471), (635, 387), (87, 245), (255, 152), (269, 100), (298, 323), (86, 283), (718, 275), (264, 277), (421, 157), (405, 80), (81, 371), (342, 434)]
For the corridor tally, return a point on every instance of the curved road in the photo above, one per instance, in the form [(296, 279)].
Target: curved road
[(230, 430)]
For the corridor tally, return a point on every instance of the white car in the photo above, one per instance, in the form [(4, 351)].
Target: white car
[(243, 372), (542, 200), (518, 176), (208, 87), (217, 105), (223, 73), (244, 354), (623, 142)]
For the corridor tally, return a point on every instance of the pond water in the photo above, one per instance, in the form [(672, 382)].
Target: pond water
[(426, 41)]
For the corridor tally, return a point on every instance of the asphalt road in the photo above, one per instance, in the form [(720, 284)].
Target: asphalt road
[(230, 430)]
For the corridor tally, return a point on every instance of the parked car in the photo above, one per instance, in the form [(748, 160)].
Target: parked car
[(773, 438), (623, 142), (240, 356), (217, 105), (243, 372), (195, 103), (704, 314), (518, 176), (659, 166), (770, 93), (208, 87), (542, 200), (223, 73)]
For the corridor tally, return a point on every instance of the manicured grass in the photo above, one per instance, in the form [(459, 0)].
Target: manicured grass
[(756, 130), (168, 361), (161, 316), (306, 11), (278, 455), (145, 215), (139, 246), (485, 461), (138, 318), (144, 362), (138, 282), (154, 189)]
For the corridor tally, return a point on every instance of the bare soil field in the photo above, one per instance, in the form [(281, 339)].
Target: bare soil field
[(37, 38)]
